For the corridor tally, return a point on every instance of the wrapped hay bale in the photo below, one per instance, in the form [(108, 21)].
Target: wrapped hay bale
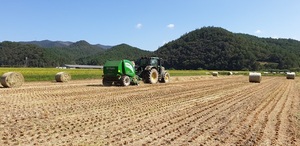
[(254, 77), (215, 74), (12, 79), (230, 73), (62, 77), (290, 75)]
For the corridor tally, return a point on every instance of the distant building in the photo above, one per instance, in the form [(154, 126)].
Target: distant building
[(84, 66)]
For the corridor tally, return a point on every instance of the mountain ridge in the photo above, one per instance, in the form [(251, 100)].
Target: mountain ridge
[(51, 44)]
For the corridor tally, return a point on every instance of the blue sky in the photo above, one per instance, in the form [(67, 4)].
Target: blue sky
[(146, 24)]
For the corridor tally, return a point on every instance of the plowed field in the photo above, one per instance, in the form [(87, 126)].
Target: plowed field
[(187, 111)]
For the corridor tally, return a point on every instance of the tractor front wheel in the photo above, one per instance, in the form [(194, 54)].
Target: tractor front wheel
[(166, 78), (125, 81)]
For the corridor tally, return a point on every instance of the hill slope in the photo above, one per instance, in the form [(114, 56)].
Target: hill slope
[(218, 49)]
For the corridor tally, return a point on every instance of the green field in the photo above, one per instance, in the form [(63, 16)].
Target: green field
[(48, 74)]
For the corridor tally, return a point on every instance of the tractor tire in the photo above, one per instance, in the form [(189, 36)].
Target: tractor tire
[(125, 81), (152, 76), (106, 83), (166, 78)]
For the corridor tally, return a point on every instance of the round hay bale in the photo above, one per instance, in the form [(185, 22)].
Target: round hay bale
[(12, 79), (230, 73), (62, 77), (290, 75), (215, 74), (254, 77)]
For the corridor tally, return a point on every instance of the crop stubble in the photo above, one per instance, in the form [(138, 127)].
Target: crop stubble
[(189, 110)]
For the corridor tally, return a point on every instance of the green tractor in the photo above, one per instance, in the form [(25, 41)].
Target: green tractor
[(150, 70), (121, 72)]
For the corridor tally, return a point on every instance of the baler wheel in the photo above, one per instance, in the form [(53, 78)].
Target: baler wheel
[(125, 81)]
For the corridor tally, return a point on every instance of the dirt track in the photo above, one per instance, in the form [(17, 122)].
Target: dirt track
[(187, 111)]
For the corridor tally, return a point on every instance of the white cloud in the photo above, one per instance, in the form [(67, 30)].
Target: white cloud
[(171, 26), (139, 26), (258, 31)]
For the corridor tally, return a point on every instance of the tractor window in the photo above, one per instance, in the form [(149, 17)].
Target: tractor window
[(154, 62)]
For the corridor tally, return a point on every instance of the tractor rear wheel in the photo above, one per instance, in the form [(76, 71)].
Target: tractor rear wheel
[(125, 81), (152, 76), (166, 78)]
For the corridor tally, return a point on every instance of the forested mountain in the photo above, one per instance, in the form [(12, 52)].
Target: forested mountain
[(218, 49), (211, 48), (49, 44), (72, 53), (16, 54), (122, 51), (81, 52)]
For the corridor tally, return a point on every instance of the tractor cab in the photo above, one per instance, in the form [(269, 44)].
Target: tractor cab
[(153, 61)]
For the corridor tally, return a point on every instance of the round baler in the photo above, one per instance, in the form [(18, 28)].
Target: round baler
[(119, 72)]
